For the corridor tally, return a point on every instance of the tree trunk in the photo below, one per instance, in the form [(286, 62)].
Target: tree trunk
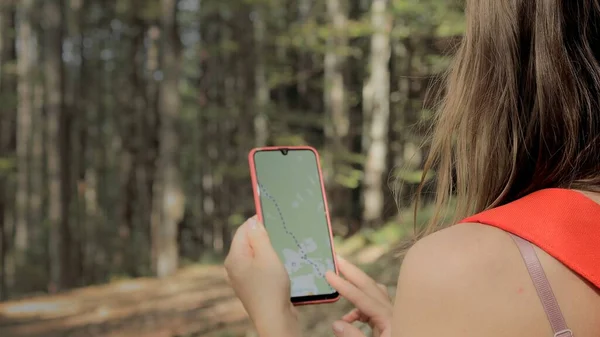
[(25, 66), (261, 128), (335, 88), (55, 147), (337, 119), (91, 157), (169, 199), (93, 100), (3, 242), (140, 110), (304, 58), (37, 168), (376, 108), (76, 104), (406, 151), (7, 116), (197, 210), (131, 126), (208, 187), (149, 116)]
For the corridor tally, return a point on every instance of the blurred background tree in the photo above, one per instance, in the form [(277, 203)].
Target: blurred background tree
[(125, 124)]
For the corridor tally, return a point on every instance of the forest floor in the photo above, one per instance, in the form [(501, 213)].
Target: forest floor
[(197, 301)]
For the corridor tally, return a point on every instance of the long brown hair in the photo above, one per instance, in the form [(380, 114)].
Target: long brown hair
[(521, 109)]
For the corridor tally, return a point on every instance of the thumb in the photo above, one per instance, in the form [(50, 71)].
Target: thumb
[(344, 329), (259, 238)]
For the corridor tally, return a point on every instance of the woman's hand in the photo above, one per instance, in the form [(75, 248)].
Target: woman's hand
[(260, 280), (372, 302)]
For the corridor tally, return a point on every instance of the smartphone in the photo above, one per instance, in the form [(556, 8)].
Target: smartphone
[(290, 201)]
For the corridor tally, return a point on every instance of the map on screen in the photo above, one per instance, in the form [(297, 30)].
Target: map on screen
[(294, 216)]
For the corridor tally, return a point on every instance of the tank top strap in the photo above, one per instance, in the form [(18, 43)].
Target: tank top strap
[(543, 288)]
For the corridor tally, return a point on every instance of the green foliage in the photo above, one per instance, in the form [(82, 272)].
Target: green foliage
[(348, 177), (352, 157), (150, 10), (447, 214), (295, 118), (260, 3), (9, 68), (313, 36), (289, 139), (351, 245), (337, 241), (282, 75), (224, 171), (117, 277), (423, 17), (360, 28), (438, 63), (8, 101), (7, 165), (235, 220), (425, 114), (307, 36), (389, 234), (413, 176)]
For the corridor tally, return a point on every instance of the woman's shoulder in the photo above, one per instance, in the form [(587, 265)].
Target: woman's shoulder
[(460, 257), (473, 280), (459, 250)]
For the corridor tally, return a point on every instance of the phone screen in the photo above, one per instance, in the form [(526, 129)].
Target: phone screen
[(293, 209)]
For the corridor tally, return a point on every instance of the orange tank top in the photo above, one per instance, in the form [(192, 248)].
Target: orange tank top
[(564, 223)]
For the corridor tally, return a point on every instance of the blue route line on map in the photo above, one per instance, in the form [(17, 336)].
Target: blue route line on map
[(303, 255)]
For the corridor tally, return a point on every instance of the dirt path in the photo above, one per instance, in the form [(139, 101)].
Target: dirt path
[(195, 302)]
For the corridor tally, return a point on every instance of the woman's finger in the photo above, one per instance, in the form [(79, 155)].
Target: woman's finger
[(352, 316), (355, 315), (344, 329), (361, 280), (384, 290), (368, 305), (239, 243)]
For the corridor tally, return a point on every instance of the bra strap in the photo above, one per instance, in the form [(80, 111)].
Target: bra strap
[(543, 288)]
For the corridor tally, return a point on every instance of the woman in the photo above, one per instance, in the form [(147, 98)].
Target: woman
[(517, 140)]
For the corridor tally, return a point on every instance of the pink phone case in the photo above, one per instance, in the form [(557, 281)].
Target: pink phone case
[(259, 211)]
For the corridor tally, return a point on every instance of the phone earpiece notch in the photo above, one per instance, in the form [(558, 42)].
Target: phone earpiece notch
[(284, 152)]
